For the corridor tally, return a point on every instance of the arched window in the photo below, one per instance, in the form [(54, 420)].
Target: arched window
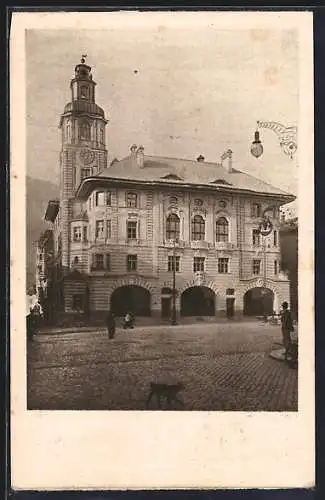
[(84, 132), (222, 229), (198, 228), (172, 227), (101, 132)]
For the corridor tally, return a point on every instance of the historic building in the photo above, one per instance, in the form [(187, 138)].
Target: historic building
[(125, 233)]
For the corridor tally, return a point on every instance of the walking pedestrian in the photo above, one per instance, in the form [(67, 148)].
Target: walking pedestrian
[(110, 323), (286, 327)]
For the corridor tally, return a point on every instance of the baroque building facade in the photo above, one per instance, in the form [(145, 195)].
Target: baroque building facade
[(125, 233)]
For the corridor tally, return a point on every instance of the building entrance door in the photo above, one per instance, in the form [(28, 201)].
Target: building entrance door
[(230, 307), (166, 307)]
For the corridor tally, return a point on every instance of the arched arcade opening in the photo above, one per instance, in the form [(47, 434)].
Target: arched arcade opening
[(258, 301), (198, 301), (131, 298)]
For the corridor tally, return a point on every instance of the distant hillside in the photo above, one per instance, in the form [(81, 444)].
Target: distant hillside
[(38, 193)]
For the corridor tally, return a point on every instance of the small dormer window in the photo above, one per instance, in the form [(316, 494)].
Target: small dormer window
[(173, 177), (222, 181)]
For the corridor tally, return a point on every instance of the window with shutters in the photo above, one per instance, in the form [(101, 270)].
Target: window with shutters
[(108, 262), (276, 267), (85, 233)]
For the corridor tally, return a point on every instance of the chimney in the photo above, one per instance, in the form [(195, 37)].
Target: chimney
[(200, 158), (227, 156), (140, 156), (133, 149)]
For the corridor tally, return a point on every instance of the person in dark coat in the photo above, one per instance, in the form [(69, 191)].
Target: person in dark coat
[(286, 326), (110, 322)]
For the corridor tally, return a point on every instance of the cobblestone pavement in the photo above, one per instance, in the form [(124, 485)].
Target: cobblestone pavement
[(223, 367)]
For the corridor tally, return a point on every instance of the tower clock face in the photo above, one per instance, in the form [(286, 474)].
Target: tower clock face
[(87, 156)]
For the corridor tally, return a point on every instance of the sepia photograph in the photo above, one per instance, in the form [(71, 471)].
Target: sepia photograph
[(162, 224), (161, 220)]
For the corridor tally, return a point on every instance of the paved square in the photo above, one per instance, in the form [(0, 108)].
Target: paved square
[(223, 367)]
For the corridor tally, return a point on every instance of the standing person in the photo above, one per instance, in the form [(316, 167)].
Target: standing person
[(110, 322), (286, 326)]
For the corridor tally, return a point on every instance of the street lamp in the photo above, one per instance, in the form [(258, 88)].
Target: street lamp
[(287, 138), (173, 319), (265, 229)]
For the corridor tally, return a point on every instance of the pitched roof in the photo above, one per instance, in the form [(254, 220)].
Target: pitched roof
[(160, 169)]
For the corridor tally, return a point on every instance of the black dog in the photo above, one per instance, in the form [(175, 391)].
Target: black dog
[(167, 391)]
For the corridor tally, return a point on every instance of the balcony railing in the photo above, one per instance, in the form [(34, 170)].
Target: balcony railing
[(224, 245), (200, 244), (173, 243)]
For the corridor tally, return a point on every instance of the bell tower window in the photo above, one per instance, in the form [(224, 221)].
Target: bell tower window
[(84, 92), (84, 131)]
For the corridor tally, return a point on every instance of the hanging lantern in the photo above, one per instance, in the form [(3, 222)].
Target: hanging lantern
[(257, 148)]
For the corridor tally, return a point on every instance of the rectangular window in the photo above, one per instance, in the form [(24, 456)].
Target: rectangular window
[(131, 230), (85, 233), (77, 302), (99, 261), (108, 198), (131, 200), (100, 198), (256, 238), (132, 262), (108, 262), (77, 233), (275, 238), (198, 264), (99, 229), (223, 265), (256, 210), (85, 172), (275, 267), (108, 229), (256, 266), (173, 263)]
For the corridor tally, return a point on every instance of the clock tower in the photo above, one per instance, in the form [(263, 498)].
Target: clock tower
[(83, 152)]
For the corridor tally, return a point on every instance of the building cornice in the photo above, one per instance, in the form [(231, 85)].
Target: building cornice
[(91, 183)]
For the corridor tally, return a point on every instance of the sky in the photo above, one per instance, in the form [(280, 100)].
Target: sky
[(178, 91)]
